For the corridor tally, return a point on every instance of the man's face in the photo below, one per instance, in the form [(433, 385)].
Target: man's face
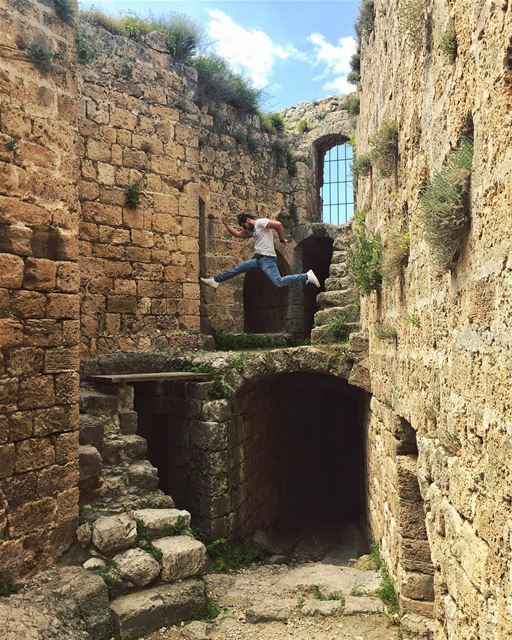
[(248, 225)]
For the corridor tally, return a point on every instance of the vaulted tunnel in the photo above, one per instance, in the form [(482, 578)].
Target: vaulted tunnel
[(288, 458)]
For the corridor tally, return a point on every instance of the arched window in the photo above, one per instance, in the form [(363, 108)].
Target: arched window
[(336, 190)]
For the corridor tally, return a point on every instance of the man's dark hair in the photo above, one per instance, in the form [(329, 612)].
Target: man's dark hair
[(243, 217)]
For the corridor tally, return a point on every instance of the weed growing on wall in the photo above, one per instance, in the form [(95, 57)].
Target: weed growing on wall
[(365, 257), (11, 145), (226, 342), (88, 48), (362, 165), (100, 19), (396, 255), (339, 328), (413, 22), (352, 104), (413, 319), (40, 56), (384, 148), (445, 204), (7, 585), (64, 10), (448, 44), (385, 332), (182, 37), (132, 194), (291, 163), (386, 592), (324, 597), (366, 20), (126, 68), (302, 126)]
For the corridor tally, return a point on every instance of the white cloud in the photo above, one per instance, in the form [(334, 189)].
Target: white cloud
[(335, 59), (250, 51)]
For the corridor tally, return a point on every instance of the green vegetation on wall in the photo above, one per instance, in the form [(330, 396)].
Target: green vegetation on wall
[(366, 257), (396, 255), (448, 44), (384, 148), (445, 204), (40, 56), (366, 20)]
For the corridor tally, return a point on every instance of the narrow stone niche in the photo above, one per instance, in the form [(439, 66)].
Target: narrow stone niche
[(285, 455)]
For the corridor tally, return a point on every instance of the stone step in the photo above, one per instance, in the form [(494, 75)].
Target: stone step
[(92, 430), (142, 475), (349, 313), (132, 502), (96, 403), (339, 257), (323, 334), (140, 613), (334, 283), (338, 270), (159, 523), (182, 557), (118, 448), (337, 298)]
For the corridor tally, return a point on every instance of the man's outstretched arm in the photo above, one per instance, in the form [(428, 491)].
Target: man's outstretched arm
[(236, 233)]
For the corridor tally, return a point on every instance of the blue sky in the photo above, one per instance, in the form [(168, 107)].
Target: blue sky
[(293, 50)]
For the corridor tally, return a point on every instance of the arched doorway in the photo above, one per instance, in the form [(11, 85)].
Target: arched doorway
[(316, 255), (265, 305)]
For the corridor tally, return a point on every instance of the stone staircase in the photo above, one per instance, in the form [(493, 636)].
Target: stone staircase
[(339, 303), (115, 475), (131, 534)]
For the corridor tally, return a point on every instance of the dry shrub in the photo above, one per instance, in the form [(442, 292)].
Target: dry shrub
[(396, 255)]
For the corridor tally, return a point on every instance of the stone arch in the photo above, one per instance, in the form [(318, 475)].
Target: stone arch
[(265, 305)]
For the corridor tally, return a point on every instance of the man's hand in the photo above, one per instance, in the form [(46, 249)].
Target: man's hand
[(284, 241), (225, 220)]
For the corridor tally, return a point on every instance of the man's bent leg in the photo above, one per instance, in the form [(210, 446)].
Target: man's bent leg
[(269, 267), (248, 265)]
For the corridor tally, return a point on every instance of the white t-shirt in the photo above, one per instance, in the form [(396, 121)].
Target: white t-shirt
[(264, 244)]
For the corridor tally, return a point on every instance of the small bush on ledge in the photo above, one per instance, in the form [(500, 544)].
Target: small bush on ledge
[(354, 75), (362, 165), (302, 126), (351, 104), (64, 10), (445, 203), (396, 255), (384, 149), (366, 258), (132, 194), (40, 56), (448, 44)]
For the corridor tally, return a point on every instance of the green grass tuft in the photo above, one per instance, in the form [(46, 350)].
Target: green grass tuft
[(445, 204), (132, 194), (352, 104), (11, 145), (448, 44), (385, 332), (384, 148), (362, 165), (40, 56), (7, 585), (339, 328), (414, 319), (366, 258), (319, 595), (88, 47), (219, 82), (64, 10), (396, 255), (226, 558), (302, 126)]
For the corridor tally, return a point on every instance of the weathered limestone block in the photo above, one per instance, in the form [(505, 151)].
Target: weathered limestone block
[(137, 566), (159, 522), (90, 462), (138, 614), (143, 475), (323, 608), (114, 533), (182, 557), (92, 430), (417, 586)]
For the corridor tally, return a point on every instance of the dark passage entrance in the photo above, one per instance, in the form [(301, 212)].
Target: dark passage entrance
[(303, 471), (316, 255), (265, 305)]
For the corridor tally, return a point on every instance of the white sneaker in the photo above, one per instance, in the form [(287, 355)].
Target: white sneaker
[(211, 282), (312, 278)]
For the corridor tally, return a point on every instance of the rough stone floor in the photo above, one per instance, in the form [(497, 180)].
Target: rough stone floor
[(308, 601)]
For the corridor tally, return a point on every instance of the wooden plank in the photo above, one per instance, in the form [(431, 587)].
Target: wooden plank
[(172, 376)]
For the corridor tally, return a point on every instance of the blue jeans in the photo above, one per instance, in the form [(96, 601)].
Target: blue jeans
[(268, 265)]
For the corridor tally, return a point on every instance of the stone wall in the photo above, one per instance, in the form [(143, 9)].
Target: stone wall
[(39, 283), (448, 371)]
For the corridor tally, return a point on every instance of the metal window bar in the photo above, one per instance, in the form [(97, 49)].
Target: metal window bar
[(337, 191)]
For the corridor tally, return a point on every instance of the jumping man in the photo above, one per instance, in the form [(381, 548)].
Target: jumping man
[(265, 259)]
